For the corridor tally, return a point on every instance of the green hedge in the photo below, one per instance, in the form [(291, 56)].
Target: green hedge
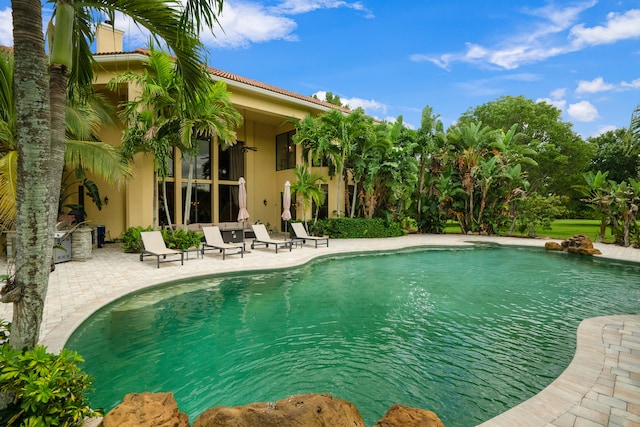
[(350, 228)]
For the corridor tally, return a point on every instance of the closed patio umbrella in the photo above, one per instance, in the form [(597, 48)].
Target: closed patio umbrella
[(243, 214), (286, 204)]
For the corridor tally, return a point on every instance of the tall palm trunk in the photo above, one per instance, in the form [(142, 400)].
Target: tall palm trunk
[(354, 198), (166, 204), (423, 168), (187, 198), (34, 245), (58, 94), (154, 218)]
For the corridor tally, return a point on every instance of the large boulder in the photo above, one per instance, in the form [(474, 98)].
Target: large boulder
[(308, 410), (146, 410), (578, 244), (553, 246), (404, 416)]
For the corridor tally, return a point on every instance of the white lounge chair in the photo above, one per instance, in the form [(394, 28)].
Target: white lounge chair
[(301, 234), (263, 238), (154, 246), (213, 240)]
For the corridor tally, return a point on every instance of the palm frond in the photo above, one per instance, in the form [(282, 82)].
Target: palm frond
[(8, 181), (633, 140), (99, 158)]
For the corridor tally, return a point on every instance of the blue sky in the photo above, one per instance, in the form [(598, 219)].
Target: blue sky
[(393, 58)]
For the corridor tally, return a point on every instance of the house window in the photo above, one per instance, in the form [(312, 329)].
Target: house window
[(285, 151), (163, 220), (201, 162), (200, 202), (228, 203), (231, 162)]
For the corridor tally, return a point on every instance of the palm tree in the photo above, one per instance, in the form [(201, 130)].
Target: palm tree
[(34, 245), (146, 116), (472, 141), (307, 187), (160, 115), (212, 115), (368, 150), (430, 136), (40, 119), (596, 191), (331, 137)]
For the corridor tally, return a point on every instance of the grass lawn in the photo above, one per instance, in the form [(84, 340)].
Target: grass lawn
[(560, 229)]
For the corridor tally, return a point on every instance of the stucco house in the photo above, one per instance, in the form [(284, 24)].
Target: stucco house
[(264, 154)]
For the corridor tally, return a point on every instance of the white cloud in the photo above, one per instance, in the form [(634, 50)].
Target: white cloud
[(6, 28), (555, 33), (247, 23), (369, 105), (594, 86), (533, 45), (558, 93), (618, 27), (241, 24), (604, 129), (583, 111), (558, 103), (294, 7), (635, 84)]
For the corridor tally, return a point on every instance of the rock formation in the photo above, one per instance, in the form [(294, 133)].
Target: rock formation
[(578, 244), (146, 410), (307, 410), (404, 416)]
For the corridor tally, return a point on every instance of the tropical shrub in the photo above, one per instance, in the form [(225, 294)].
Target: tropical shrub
[(538, 212), (181, 239), (46, 389), (349, 228), (131, 239)]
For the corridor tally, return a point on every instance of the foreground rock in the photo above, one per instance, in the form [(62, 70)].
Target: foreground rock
[(309, 410), (578, 244), (404, 416), (304, 410), (146, 410)]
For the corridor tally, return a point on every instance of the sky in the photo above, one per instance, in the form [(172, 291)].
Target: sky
[(395, 58)]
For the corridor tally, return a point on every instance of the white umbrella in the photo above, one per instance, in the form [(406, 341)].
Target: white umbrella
[(243, 214), (286, 204)]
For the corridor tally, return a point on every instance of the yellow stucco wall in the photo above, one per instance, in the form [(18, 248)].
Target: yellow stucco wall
[(266, 116)]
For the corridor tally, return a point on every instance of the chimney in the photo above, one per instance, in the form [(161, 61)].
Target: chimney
[(108, 38)]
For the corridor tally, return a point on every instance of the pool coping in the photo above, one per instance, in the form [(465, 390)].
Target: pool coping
[(587, 392)]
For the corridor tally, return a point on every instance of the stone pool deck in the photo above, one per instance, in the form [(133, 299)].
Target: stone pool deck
[(601, 387)]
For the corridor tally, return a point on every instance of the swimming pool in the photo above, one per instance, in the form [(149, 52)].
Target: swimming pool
[(467, 333)]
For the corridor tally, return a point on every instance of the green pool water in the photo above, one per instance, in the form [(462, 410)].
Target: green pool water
[(467, 333)]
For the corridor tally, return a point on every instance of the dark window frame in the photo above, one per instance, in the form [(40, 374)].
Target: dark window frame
[(285, 151)]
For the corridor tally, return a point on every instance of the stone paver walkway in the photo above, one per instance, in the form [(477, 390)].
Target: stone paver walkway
[(601, 387)]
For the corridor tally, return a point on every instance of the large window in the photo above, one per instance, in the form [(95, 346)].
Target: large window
[(201, 162), (231, 162), (228, 203), (200, 202), (285, 151), (163, 220)]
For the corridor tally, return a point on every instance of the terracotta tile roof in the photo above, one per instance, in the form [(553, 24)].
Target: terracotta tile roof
[(247, 81)]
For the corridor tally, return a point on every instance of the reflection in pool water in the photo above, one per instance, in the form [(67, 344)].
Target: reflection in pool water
[(467, 333)]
